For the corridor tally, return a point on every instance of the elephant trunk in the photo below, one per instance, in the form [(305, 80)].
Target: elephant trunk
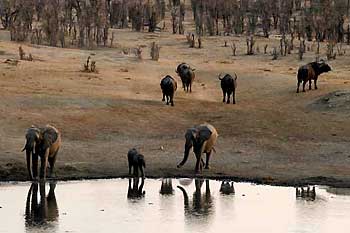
[(186, 153), (28, 156), (186, 199), (30, 150)]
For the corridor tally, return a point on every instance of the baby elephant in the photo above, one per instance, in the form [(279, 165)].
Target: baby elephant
[(228, 86), (169, 86), (136, 161)]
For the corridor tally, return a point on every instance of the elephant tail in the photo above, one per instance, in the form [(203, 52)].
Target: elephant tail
[(144, 163), (214, 149)]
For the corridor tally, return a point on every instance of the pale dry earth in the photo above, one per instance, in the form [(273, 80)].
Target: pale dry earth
[(272, 135)]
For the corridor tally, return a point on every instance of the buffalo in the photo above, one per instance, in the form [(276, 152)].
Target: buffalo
[(187, 76), (228, 86), (168, 86), (310, 72)]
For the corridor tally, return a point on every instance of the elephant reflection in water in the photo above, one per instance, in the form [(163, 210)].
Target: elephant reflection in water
[(202, 203), (40, 212), (227, 187), (135, 191), (167, 187)]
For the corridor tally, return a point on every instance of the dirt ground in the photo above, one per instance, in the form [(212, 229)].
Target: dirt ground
[(272, 135)]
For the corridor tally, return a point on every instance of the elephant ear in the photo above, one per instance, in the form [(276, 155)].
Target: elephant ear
[(50, 136), (204, 133), (191, 133)]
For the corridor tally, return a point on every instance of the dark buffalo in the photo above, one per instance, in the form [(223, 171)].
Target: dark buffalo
[(187, 76), (228, 86), (310, 72), (169, 86)]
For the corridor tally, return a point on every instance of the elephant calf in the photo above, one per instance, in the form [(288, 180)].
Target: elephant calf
[(187, 75), (137, 162), (228, 86), (202, 138), (169, 86), (43, 142)]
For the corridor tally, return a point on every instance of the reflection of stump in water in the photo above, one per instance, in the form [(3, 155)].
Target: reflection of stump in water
[(227, 187), (201, 203), (134, 190), (306, 193), (46, 210), (167, 187)]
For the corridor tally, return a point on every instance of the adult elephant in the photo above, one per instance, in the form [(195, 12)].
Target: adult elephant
[(43, 142), (202, 138)]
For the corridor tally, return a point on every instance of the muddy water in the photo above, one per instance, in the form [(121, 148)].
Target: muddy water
[(154, 206)]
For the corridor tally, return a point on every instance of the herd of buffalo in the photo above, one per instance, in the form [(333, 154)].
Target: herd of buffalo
[(44, 142)]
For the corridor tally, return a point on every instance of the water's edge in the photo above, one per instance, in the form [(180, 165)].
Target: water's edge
[(319, 180)]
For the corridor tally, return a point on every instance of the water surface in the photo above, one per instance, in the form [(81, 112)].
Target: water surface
[(122, 205)]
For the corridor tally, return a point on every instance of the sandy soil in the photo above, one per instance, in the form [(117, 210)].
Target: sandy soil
[(272, 135)]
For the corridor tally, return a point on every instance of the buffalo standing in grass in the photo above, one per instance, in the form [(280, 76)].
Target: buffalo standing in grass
[(169, 86), (310, 72), (187, 76), (228, 86)]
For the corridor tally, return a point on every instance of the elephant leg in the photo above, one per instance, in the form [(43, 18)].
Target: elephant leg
[(142, 171), (304, 84), (315, 82), (130, 168), (202, 162), (191, 87), (163, 97), (207, 160), (35, 165), (52, 162), (310, 84), (43, 167), (136, 171), (223, 96), (298, 85), (167, 100), (198, 165)]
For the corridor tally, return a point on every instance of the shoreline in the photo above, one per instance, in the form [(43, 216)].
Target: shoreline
[(309, 181)]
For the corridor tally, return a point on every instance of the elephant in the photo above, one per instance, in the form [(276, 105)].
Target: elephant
[(168, 86), (228, 86), (43, 142), (167, 187), (227, 188), (137, 162), (44, 211), (187, 76), (201, 203), (202, 138), (134, 190)]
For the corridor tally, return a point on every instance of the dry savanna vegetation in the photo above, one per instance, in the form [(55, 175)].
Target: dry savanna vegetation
[(92, 68)]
